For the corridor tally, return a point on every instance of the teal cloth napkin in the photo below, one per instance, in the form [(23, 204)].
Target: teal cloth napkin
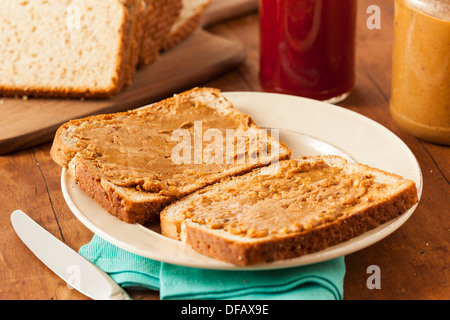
[(321, 281)]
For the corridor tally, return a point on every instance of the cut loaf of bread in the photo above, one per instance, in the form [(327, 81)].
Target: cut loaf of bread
[(296, 207), (66, 48), (160, 17), (126, 161), (186, 23)]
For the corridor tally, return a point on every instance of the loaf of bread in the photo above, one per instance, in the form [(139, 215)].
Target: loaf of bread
[(160, 17), (66, 48), (286, 210), (135, 163), (79, 49)]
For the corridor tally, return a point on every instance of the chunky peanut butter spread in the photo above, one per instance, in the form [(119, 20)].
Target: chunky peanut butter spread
[(298, 197), (142, 149)]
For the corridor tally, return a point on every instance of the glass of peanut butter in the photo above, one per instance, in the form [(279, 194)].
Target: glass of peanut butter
[(420, 101)]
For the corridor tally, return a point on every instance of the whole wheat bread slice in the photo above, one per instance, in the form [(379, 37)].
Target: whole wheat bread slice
[(115, 160), (62, 48), (286, 210)]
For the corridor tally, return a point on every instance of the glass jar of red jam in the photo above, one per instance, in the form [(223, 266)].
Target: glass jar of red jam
[(307, 47)]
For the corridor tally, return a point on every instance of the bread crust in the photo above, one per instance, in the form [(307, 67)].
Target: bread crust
[(149, 52), (112, 201), (59, 152), (69, 93), (159, 22), (137, 33)]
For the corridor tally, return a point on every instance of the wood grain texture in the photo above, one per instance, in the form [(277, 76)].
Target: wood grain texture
[(413, 260), (220, 11)]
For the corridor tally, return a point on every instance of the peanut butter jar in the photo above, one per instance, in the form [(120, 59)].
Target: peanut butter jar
[(420, 101)]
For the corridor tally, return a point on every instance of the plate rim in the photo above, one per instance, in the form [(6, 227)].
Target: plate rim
[(339, 250)]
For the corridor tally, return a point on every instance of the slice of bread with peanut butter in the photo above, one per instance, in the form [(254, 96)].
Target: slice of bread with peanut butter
[(285, 210), (137, 162)]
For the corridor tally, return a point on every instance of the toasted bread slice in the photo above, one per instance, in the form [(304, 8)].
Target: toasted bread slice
[(134, 163), (69, 49), (286, 210)]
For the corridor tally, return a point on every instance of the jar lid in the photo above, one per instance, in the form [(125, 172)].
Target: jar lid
[(436, 8)]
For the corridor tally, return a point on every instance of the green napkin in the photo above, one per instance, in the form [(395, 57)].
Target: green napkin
[(321, 281)]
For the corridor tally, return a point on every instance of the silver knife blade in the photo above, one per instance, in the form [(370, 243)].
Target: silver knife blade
[(73, 268)]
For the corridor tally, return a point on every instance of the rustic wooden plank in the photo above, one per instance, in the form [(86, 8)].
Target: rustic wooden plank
[(441, 159), (24, 187), (220, 11), (413, 261)]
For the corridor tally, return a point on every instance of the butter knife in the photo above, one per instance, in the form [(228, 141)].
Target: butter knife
[(73, 268)]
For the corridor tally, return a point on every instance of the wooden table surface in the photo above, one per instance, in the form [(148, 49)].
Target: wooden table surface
[(414, 261)]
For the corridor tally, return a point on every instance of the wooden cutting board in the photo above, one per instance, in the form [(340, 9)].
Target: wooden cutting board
[(27, 122)]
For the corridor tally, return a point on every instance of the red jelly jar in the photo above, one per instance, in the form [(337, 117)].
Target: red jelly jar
[(307, 47)]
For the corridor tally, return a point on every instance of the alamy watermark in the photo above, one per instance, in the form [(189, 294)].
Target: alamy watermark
[(235, 146), (74, 279), (374, 20), (374, 280), (73, 17)]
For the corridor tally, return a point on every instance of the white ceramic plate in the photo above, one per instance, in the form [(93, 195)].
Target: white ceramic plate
[(308, 127)]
